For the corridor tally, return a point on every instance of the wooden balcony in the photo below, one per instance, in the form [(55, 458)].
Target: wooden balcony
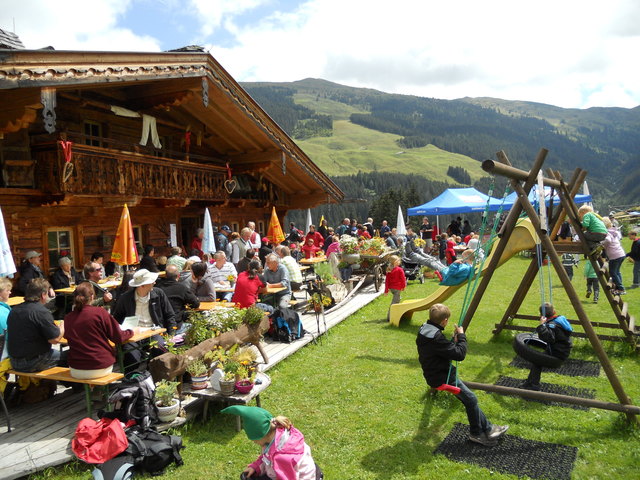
[(104, 172)]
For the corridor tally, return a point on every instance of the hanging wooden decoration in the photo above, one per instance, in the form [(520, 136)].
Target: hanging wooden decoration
[(230, 184)]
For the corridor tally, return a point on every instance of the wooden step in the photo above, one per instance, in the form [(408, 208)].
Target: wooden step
[(624, 311), (632, 325)]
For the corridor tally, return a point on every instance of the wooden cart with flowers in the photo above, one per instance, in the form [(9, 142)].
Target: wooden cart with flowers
[(366, 257)]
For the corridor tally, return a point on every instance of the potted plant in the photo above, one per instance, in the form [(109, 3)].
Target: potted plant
[(253, 315), (228, 382), (199, 374), (350, 249), (318, 301), (168, 406), (245, 384)]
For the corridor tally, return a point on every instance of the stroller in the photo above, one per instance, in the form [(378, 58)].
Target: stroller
[(413, 271)]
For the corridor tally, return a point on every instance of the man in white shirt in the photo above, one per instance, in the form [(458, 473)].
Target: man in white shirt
[(220, 271), (295, 274)]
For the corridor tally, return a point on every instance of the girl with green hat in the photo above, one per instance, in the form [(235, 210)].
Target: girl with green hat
[(284, 455)]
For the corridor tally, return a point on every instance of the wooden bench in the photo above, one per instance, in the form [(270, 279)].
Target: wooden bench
[(61, 374)]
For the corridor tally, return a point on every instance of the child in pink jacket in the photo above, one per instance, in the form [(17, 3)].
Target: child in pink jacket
[(284, 453)]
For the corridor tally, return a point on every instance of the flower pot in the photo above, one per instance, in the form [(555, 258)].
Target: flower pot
[(244, 386), (351, 258), (168, 414), (199, 382), (227, 387)]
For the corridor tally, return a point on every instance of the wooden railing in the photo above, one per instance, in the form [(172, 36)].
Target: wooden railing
[(99, 171)]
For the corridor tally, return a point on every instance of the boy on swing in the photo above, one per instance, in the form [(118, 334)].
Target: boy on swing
[(555, 330), (435, 353)]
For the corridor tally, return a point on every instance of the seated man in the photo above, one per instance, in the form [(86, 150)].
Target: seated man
[(277, 276), (176, 258), (295, 274), (93, 273), (28, 270), (151, 306), (180, 296), (415, 254), (435, 353), (31, 331), (555, 330), (220, 271), (147, 261)]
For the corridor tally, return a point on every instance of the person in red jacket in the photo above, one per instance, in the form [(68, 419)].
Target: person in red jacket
[(450, 252), (317, 237), (310, 249), (395, 281), (88, 330)]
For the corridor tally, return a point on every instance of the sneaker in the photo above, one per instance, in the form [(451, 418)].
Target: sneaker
[(482, 439), (595, 300), (622, 292), (497, 431), (588, 293), (526, 385)]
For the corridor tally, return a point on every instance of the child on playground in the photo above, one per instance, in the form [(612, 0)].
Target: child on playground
[(555, 330), (395, 280), (435, 354), (458, 271), (592, 281), (284, 453), (594, 229)]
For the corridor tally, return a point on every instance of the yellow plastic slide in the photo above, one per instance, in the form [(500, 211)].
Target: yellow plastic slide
[(523, 238)]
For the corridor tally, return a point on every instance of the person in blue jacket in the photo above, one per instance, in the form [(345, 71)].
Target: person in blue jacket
[(459, 271), (555, 330)]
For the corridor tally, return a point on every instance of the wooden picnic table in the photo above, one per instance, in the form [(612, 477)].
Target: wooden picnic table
[(13, 301), (109, 285), (204, 306), (211, 395), (312, 261)]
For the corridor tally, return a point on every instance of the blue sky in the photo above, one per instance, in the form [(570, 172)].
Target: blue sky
[(572, 53)]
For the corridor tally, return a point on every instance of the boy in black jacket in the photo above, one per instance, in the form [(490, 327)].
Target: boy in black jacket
[(435, 353)]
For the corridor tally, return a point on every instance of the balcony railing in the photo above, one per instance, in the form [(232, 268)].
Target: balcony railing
[(99, 171)]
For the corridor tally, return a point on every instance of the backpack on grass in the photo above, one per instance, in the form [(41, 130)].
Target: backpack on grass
[(152, 451), (134, 399), (286, 325)]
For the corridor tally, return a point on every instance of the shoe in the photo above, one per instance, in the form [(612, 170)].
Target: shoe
[(526, 385), (497, 431), (622, 292), (595, 300), (482, 439), (596, 251), (588, 293)]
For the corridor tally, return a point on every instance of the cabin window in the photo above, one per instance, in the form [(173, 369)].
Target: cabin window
[(59, 244), (235, 227), (137, 236), (261, 228), (92, 133)]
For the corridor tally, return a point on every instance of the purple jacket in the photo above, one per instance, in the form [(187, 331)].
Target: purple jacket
[(612, 244), (289, 457)]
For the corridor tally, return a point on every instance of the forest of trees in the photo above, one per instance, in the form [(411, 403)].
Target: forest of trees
[(297, 120), (459, 174)]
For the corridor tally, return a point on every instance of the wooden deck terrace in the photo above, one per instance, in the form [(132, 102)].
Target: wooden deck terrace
[(41, 434)]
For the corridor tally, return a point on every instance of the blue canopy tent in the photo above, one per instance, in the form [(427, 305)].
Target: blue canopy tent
[(533, 197), (456, 200)]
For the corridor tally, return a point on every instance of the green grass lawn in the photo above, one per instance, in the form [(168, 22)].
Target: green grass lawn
[(360, 399)]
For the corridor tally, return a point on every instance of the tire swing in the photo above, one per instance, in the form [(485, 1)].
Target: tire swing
[(534, 350), (528, 345)]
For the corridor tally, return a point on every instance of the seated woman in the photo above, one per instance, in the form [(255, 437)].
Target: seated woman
[(88, 330), (310, 250), (249, 285), (201, 283)]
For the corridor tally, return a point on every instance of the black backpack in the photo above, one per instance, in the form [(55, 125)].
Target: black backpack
[(152, 451), (287, 325), (134, 399)]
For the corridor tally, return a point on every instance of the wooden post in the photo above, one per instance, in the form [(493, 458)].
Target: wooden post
[(575, 301), (630, 410), (520, 295)]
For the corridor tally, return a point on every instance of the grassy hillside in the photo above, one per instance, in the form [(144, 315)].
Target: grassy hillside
[(353, 148)]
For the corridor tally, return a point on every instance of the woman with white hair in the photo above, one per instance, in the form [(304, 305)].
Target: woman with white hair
[(65, 276)]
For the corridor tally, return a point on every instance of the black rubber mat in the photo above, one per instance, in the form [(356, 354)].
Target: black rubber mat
[(512, 455), (571, 367), (551, 388)]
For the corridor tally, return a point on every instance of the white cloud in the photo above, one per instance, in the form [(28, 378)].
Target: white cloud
[(569, 53), (73, 25)]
